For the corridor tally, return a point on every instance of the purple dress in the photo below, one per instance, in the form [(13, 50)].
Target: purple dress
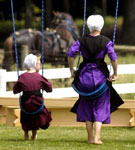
[(90, 78), (33, 82)]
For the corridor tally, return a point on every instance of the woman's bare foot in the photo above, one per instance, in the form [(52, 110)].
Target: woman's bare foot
[(98, 142), (91, 141)]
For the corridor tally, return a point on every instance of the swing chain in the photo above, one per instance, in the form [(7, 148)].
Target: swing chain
[(43, 49), (16, 53), (115, 25), (83, 31)]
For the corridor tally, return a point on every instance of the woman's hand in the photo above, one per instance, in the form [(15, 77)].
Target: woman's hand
[(72, 71), (71, 66), (112, 78)]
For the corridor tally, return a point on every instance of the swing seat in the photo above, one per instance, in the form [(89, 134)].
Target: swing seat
[(94, 94), (31, 113)]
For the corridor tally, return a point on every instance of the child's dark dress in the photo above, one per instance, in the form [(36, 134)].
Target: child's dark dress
[(29, 82)]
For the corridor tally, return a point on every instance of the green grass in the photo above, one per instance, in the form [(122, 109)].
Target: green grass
[(130, 96), (109, 21), (128, 58), (67, 138), (128, 78)]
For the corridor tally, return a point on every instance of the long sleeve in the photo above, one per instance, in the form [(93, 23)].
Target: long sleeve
[(46, 85), (111, 52), (17, 88), (74, 49)]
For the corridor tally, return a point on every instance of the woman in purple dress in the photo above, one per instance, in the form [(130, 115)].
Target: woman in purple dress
[(91, 74), (30, 83)]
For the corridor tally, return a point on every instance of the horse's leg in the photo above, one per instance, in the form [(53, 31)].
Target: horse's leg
[(8, 53)]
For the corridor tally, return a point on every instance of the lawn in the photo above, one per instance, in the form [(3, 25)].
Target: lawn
[(67, 138)]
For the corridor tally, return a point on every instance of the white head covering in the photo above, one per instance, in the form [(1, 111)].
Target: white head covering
[(95, 22), (30, 61)]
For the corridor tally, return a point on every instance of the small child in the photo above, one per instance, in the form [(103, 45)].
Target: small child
[(30, 83)]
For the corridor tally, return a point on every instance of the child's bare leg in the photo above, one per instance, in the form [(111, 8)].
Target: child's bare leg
[(89, 127), (26, 135), (34, 135), (97, 139)]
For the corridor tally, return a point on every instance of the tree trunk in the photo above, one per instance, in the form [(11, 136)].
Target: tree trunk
[(128, 30), (65, 5), (28, 16), (48, 12), (104, 6)]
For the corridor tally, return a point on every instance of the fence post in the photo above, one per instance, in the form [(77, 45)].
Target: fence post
[(24, 53), (2, 80)]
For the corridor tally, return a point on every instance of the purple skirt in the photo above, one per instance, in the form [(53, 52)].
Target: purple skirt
[(98, 109), (95, 109)]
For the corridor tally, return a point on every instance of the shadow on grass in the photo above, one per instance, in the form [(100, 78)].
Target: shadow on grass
[(63, 140), (12, 140), (46, 140)]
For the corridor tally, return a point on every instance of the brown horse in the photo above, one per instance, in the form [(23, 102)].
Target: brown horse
[(65, 20), (65, 27), (55, 47), (23, 37), (60, 17), (57, 41)]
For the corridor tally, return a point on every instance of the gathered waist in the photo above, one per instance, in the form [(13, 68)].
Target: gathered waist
[(93, 60), (29, 93)]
